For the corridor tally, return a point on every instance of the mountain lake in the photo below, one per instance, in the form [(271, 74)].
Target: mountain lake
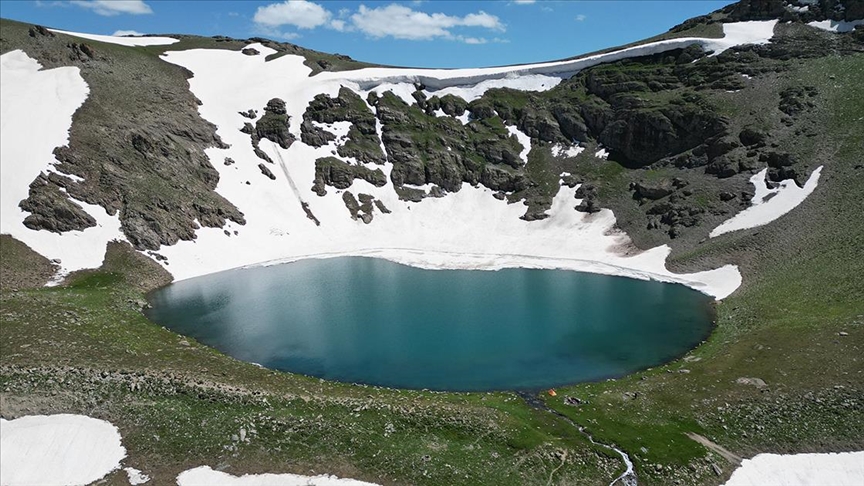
[(372, 321)]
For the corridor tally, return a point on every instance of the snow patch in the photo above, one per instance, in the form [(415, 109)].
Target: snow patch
[(205, 476), (58, 450), (529, 82), (602, 153), (567, 150), (843, 469), (524, 140), (769, 204), (123, 41), (135, 476), (50, 96), (839, 26)]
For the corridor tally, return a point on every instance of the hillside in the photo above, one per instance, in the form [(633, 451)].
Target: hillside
[(725, 155)]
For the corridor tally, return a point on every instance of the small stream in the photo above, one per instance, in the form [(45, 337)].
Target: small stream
[(628, 478)]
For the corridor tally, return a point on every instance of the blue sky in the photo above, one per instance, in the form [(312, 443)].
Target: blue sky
[(408, 33)]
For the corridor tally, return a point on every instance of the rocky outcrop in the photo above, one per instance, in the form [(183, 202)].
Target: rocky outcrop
[(274, 125), (364, 208), (264, 170), (314, 136), (426, 149), (362, 142), (51, 209), (330, 171)]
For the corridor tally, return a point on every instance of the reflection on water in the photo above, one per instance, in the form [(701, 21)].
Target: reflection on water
[(372, 321)]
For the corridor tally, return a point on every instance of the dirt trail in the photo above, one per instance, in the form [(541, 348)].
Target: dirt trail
[(732, 458)]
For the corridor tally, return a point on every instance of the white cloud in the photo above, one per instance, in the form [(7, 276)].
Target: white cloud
[(299, 13), (401, 22), (580, 17), (473, 40), (123, 33), (524, 2), (339, 25), (115, 7)]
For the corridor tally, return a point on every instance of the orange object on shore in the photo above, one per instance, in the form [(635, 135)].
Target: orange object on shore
[(551, 392)]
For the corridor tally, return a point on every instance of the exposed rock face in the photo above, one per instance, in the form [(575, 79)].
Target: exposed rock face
[(363, 143), (264, 170), (250, 51), (330, 171), (362, 210), (653, 190), (426, 149), (274, 124), (315, 136), (52, 210)]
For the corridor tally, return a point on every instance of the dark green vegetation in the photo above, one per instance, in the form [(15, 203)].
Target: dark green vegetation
[(362, 141), (797, 323)]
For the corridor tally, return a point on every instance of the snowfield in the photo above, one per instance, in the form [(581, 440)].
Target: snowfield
[(769, 204), (122, 40), (844, 469), (57, 450), (468, 229), (205, 476)]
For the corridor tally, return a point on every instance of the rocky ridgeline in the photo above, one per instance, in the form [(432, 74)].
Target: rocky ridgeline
[(651, 112), (784, 10)]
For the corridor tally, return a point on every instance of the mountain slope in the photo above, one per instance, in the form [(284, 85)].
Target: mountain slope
[(669, 140)]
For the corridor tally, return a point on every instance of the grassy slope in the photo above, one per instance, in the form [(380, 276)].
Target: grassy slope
[(86, 348), (804, 284)]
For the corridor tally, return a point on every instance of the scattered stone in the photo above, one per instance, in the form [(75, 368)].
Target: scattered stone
[(573, 401), (266, 171), (757, 382)]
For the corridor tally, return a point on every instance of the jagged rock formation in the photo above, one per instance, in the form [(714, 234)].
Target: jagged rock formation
[(362, 144), (330, 171)]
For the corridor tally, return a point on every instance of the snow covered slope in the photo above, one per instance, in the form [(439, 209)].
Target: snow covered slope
[(466, 229), (122, 40)]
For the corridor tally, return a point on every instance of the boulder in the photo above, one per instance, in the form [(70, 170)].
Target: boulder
[(653, 190)]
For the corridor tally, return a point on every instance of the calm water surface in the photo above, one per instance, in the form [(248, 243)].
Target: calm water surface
[(371, 321)]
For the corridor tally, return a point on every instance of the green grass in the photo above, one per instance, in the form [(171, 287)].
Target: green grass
[(86, 348)]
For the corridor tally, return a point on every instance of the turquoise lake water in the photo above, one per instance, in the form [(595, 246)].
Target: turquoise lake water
[(364, 320)]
